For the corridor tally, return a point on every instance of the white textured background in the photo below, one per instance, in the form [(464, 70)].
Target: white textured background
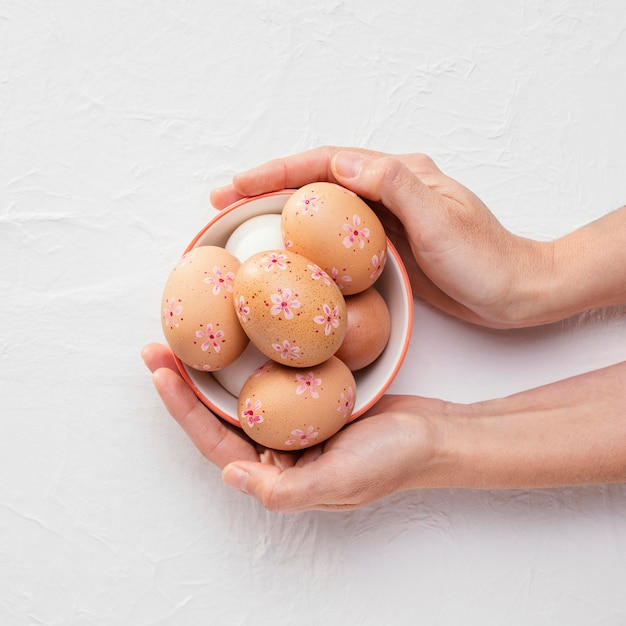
[(116, 120)]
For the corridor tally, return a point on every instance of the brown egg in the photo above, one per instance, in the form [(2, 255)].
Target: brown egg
[(337, 230), (369, 325), (291, 309), (288, 408), (197, 313)]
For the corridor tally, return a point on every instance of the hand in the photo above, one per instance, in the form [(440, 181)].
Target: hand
[(459, 257), (385, 452), (572, 432)]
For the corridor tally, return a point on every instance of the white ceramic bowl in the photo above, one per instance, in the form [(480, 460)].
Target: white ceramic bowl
[(393, 285)]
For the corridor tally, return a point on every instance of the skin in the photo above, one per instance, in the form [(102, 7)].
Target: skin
[(464, 262)]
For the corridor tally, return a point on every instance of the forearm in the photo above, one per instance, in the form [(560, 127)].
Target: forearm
[(572, 432), (583, 270)]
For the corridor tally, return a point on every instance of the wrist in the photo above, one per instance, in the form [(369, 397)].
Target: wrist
[(495, 451), (533, 284), (437, 431), (577, 272), (455, 460), (590, 264), (562, 434), (506, 443)]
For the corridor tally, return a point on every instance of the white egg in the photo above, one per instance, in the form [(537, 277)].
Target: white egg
[(235, 375), (257, 234)]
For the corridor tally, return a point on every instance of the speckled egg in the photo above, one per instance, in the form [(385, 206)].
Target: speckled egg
[(197, 313), (288, 408), (369, 326), (289, 307), (337, 230)]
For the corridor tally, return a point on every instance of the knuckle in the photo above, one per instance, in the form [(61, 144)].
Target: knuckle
[(421, 164), (424, 161), (392, 170), (328, 149), (395, 178)]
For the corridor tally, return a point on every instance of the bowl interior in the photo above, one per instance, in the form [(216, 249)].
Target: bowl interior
[(393, 285)]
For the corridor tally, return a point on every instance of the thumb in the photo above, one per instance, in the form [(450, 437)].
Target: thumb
[(266, 483), (384, 179), (289, 490)]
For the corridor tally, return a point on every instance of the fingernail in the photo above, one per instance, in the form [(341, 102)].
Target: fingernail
[(218, 190), (348, 164), (235, 477)]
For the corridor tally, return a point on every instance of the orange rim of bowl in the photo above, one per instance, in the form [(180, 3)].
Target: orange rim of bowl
[(407, 337)]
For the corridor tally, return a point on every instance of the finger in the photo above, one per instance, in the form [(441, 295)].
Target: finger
[(290, 172), (286, 173), (295, 489), (275, 489), (224, 196), (387, 180), (157, 355), (282, 460), (218, 443)]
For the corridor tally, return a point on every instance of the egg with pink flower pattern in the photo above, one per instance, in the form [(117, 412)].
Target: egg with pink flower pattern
[(289, 307), (336, 229), (287, 408), (197, 314)]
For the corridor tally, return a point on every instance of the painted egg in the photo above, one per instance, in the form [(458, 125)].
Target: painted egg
[(288, 408), (197, 314), (289, 308), (337, 230), (369, 325)]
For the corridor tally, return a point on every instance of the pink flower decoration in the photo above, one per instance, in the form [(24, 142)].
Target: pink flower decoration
[(210, 337), (308, 203), (275, 260), (242, 310), (346, 403), (249, 414), (317, 273), (378, 264), (284, 303), (340, 281), (173, 312), (330, 318), (308, 382), (287, 242), (302, 437), (286, 350), (262, 369), (219, 280), (356, 235)]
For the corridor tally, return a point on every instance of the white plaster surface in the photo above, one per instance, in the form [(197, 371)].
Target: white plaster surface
[(116, 120)]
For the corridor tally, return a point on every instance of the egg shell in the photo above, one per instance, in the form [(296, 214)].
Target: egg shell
[(197, 313), (288, 408), (369, 327), (233, 376), (337, 230), (291, 309), (262, 232)]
